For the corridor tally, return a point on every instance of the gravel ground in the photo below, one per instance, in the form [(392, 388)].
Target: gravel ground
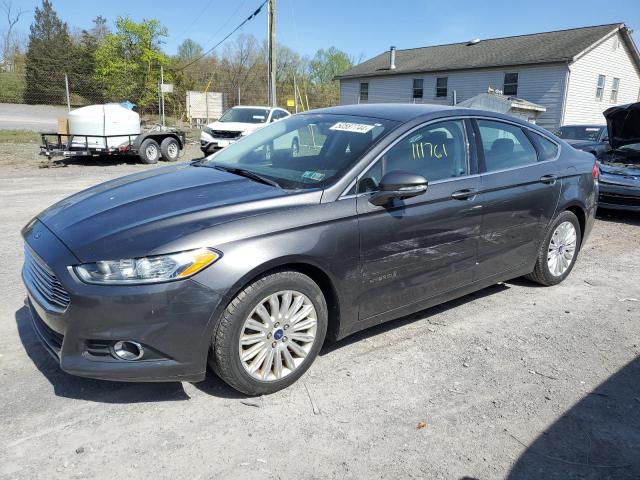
[(516, 381)]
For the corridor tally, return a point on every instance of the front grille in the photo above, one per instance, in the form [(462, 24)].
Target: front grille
[(43, 283), (615, 199), (51, 339), (225, 134)]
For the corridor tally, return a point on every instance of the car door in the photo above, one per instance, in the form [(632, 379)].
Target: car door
[(416, 248), (520, 192)]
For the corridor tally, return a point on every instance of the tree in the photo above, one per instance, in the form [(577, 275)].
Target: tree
[(128, 61), (100, 28), (49, 56), (326, 64), (323, 68), (189, 51), (10, 46)]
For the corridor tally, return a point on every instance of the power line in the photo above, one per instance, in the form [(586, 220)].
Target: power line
[(198, 17), (231, 17), (250, 17)]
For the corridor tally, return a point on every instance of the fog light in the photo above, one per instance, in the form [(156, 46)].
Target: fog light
[(127, 350)]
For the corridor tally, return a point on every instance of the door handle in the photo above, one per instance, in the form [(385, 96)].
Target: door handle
[(548, 179), (464, 194)]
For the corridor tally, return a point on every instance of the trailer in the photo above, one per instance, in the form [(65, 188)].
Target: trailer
[(149, 147), (111, 130)]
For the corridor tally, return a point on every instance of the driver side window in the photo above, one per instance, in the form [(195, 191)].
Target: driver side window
[(437, 151)]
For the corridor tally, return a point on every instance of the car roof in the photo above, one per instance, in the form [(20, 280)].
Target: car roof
[(401, 112), (585, 125), (258, 106)]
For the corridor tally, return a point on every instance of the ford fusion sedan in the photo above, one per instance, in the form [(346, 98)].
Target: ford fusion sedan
[(247, 262), (235, 123), (620, 164)]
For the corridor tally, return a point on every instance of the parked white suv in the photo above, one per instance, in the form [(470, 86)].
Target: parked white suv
[(236, 122)]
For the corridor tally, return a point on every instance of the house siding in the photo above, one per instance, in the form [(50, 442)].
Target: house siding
[(544, 85), (582, 105)]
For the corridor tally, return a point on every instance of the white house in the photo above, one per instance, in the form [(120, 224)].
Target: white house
[(575, 74)]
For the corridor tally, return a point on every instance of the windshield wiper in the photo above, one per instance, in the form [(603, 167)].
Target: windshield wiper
[(249, 174)]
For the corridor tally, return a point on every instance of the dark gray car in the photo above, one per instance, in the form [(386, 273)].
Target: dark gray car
[(620, 164), (249, 259)]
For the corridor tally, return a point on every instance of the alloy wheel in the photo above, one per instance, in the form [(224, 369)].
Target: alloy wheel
[(278, 335), (562, 248)]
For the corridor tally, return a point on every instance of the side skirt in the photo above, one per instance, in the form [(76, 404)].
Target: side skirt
[(353, 327)]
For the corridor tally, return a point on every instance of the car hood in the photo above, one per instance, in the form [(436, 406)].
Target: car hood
[(579, 143), (235, 126), (617, 171), (150, 212), (623, 123)]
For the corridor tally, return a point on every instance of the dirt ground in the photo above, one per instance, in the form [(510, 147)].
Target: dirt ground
[(516, 381)]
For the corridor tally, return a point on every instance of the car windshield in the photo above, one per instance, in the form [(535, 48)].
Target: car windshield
[(304, 151), (579, 132), (245, 115)]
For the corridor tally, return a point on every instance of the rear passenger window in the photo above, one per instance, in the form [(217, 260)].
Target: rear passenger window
[(547, 150), (505, 146)]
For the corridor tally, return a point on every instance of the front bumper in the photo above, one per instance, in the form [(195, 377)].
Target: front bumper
[(173, 321), (210, 144), (619, 197)]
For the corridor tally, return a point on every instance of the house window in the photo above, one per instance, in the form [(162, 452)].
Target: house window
[(441, 87), (600, 88), (614, 89), (364, 92), (510, 84), (418, 91)]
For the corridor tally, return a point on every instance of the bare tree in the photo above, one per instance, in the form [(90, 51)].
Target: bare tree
[(9, 40)]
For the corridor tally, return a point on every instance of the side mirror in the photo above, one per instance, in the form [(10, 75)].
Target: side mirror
[(398, 184)]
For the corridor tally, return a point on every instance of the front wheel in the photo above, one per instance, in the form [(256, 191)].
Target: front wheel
[(559, 250), (270, 333)]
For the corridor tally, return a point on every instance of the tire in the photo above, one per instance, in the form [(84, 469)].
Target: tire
[(170, 149), (225, 359), (149, 151), (542, 272), (295, 148)]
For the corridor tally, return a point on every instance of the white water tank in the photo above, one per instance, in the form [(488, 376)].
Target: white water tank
[(103, 120)]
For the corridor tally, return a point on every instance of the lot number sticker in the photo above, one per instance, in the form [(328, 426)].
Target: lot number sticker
[(352, 127)]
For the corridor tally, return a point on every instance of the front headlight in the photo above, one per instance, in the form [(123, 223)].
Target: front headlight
[(160, 268)]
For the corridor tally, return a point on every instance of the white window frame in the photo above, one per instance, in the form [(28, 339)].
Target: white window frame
[(504, 83), (615, 88), (600, 88), (360, 92)]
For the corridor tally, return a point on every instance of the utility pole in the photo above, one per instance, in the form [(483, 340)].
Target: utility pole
[(162, 92), (271, 18)]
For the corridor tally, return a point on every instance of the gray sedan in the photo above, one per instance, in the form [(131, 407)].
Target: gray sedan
[(249, 259)]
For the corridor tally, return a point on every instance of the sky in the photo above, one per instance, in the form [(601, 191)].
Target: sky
[(362, 28)]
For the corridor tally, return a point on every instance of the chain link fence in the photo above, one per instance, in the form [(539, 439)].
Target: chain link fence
[(181, 106)]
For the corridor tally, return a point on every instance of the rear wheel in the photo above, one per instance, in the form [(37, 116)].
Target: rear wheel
[(170, 149), (559, 251), (149, 151), (270, 333)]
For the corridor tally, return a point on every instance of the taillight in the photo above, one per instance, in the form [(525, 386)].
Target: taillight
[(596, 171)]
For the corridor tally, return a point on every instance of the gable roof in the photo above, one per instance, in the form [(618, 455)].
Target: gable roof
[(548, 47)]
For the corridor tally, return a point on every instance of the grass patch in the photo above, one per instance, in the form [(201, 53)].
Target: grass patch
[(19, 136)]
